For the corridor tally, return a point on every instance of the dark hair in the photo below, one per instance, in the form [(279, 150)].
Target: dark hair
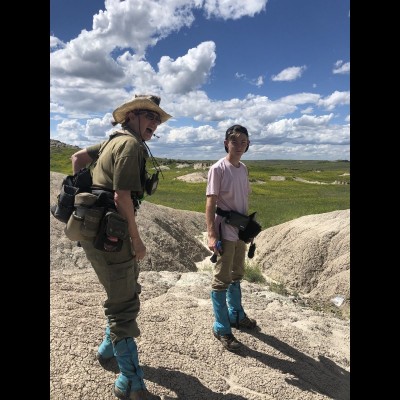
[(236, 129), (123, 124)]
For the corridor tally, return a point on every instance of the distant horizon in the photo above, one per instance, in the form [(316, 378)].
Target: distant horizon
[(204, 160)]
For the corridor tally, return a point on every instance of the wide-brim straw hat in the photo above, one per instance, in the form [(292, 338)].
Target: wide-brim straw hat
[(140, 102)]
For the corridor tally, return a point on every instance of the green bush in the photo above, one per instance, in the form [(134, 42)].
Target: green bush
[(252, 273)]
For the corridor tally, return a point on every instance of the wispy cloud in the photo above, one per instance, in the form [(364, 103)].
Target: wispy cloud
[(289, 74), (341, 67)]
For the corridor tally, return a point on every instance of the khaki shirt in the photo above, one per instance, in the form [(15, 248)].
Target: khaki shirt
[(121, 163)]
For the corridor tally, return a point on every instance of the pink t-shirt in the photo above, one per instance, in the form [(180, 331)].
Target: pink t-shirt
[(231, 186)]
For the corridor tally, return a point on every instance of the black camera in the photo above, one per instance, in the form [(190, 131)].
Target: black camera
[(151, 184)]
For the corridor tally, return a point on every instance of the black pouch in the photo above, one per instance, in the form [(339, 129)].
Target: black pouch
[(253, 228), (151, 184), (83, 180), (113, 230), (238, 220), (65, 203)]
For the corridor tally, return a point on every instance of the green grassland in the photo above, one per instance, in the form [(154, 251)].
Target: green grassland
[(60, 159), (276, 202)]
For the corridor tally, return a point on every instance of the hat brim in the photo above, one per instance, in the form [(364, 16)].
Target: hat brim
[(139, 103)]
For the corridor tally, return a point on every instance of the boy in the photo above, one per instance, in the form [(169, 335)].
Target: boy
[(227, 190)]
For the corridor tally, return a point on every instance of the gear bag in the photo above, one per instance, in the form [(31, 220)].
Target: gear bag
[(70, 187), (81, 182), (253, 228), (84, 222), (236, 219), (249, 228)]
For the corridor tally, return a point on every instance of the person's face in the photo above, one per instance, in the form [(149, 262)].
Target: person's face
[(237, 144), (146, 123)]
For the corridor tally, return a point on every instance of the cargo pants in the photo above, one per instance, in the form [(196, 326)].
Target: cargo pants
[(230, 266), (118, 273)]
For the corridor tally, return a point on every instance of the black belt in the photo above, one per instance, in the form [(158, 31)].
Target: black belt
[(106, 198), (222, 212)]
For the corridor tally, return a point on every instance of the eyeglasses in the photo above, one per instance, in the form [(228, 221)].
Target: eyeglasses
[(150, 116)]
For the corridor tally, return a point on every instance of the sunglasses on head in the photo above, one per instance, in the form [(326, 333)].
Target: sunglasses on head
[(151, 116)]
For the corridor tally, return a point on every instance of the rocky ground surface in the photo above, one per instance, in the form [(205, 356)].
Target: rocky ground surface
[(298, 352)]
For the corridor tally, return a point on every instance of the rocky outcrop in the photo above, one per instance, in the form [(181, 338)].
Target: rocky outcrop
[(57, 143), (311, 254)]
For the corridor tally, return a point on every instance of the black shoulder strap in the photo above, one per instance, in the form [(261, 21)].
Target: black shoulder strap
[(103, 146)]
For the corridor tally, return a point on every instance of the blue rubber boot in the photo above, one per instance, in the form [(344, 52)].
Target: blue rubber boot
[(130, 378), (105, 351), (221, 323), (221, 326), (234, 300), (237, 316)]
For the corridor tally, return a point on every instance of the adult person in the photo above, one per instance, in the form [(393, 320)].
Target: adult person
[(120, 176), (227, 190)]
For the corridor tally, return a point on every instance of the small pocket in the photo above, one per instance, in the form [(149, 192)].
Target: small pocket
[(84, 223), (113, 230), (91, 221), (117, 225)]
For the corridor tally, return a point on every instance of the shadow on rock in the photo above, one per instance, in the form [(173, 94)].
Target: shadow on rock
[(322, 376), (183, 385)]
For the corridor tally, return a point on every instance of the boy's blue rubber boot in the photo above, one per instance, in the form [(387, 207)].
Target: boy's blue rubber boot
[(130, 383), (221, 326), (221, 323), (237, 316), (105, 351)]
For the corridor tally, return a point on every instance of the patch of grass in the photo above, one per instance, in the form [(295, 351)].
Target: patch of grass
[(324, 306), (60, 159), (252, 273), (327, 307), (279, 288)]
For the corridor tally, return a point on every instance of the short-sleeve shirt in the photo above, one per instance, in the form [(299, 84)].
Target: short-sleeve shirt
[(121, 163), (232, 187)]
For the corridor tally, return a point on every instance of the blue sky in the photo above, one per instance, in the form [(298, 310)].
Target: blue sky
[(281, 68)]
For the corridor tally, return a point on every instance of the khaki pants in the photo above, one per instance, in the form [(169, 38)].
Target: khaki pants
[(230, 266), (118, 273)]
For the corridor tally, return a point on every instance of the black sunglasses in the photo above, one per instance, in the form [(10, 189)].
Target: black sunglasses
[(150, 116)]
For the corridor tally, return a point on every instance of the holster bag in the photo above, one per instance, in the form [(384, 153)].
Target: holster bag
[(113, 230), (238, 220), (82, 180), (71, 185), (84, 222), (252, 229), (65, 203)]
